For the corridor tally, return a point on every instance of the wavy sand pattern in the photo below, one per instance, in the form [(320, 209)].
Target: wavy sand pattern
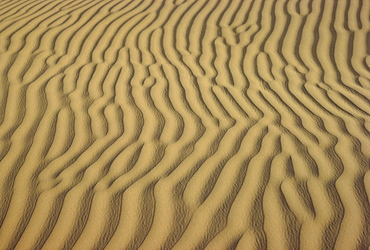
[(193, 124)]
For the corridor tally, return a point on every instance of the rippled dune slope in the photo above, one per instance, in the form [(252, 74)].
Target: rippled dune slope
[(160, 124)]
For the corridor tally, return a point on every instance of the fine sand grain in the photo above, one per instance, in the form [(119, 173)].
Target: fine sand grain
[(193, 124)]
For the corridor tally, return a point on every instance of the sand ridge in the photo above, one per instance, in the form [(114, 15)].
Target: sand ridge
[(193, 124)]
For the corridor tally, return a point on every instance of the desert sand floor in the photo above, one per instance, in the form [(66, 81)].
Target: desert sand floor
[(194, 124)]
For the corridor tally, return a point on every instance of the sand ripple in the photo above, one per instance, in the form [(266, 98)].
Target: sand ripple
[(160, 124)]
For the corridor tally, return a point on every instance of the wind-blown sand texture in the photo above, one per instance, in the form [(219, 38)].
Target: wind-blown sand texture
[(160, 124)]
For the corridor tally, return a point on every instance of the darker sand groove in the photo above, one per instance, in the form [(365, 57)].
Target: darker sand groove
[(184, 124)]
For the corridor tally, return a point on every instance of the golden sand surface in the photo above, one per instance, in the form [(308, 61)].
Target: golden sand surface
[(193, 124)]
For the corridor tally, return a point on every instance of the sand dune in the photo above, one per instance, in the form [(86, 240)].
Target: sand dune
[(194, 124)]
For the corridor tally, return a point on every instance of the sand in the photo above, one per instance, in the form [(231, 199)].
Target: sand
[(162, 124)]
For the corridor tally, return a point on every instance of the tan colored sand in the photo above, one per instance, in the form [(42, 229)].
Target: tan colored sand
[(194, 124)]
